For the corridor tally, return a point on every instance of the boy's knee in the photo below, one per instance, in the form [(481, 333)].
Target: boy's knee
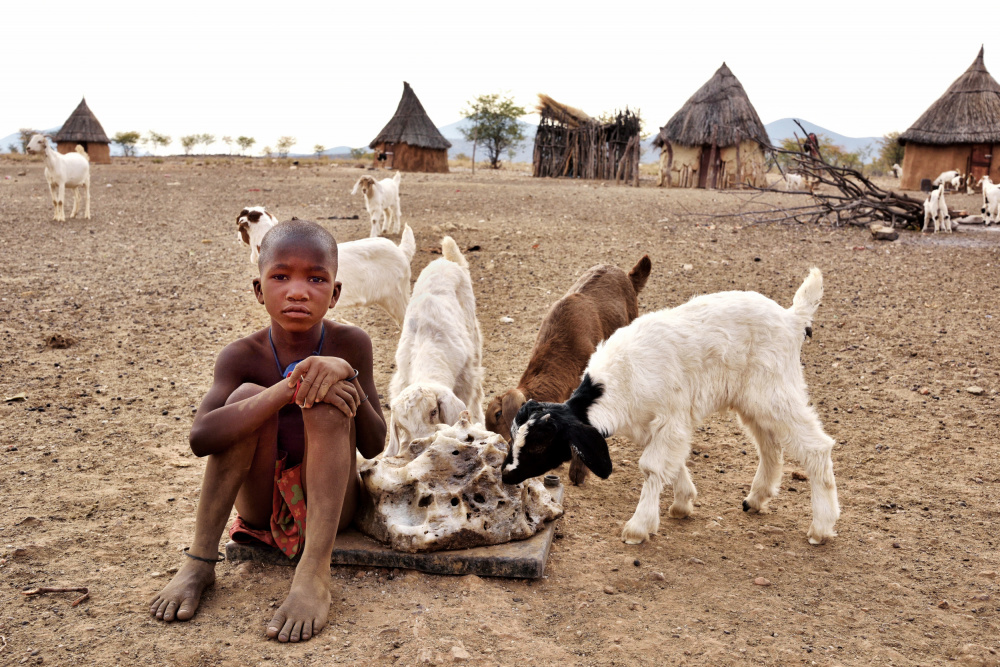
[(244, 391), (327, 417)]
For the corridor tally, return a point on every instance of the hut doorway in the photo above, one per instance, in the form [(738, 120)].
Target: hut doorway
[(708, 172), (979, 162)]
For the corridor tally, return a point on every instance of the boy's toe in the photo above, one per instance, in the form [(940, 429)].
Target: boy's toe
[(187, 609), (168, 613), (276, 624), (296, 633)]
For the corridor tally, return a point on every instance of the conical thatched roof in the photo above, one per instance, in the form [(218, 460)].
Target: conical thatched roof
[(721, 103), (967, 113), (411, 125), (82, 126), (565, 114)]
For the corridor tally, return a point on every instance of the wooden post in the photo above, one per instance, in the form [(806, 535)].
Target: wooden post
[(713, 174)]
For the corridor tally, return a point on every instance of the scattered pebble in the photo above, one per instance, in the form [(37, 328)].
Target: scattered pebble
[(636, 562), (696, 561), (657, 576), (154, 575), (459, 654), (761, 581), (688, 267), (989, 574), (507, 320), (943, 604), (974, 390), (609, 590), (896, 545), (923, 391), (801, 476)]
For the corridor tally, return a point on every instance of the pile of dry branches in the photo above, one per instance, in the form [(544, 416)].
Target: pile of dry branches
[(849, 198)]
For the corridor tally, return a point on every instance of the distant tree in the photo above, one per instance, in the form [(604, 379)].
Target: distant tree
[(189, 142), (890, 151), (24, 136), (127, 140), (318, 149), (228, 141), (284, 144), (206, 140), (245, 143), (494, 124), (156, 140), (12, 147), (266, 151), (833, 154), (358, 153)]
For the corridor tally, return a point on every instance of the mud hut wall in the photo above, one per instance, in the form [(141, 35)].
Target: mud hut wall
[(683, 169), (415, 158), (97, 152), (928, 161), (742, 164)]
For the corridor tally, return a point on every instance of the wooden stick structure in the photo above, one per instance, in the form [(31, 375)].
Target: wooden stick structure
[(849, 198)]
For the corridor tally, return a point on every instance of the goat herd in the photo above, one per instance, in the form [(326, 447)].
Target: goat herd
[(598, 368)]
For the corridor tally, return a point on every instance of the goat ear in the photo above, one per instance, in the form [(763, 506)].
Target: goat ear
[(393, 447), (355, 190), (450, 407), (591, 447), (511, 403), (245, 234)]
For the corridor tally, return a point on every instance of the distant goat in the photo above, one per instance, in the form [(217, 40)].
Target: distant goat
[(440, 354), (599, 303), (991, 200), (797, 183), (381, 201), (952, 178), (936, 211), (657, 379), (64, 171), (896, 170), (371, 271)]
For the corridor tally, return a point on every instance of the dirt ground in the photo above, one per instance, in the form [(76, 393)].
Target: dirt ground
[(110, 327)]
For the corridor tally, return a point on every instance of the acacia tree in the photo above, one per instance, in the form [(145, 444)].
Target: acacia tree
[(228, 141), (24, 136), (188, 142), (206, 140), (890, 151), (284, 144), (127, 140), (245, 143), (156, 140), (318, 149), (493, 123)]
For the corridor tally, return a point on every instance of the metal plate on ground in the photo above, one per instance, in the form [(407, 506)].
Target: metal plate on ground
[(524, 559)]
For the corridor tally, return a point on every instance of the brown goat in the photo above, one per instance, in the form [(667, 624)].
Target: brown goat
[(601, 301)]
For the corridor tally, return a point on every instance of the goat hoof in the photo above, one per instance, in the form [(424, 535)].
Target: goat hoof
[(633, 536), (746, 506)]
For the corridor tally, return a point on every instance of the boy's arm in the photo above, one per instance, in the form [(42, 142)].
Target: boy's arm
[(217, 425), (369, 424)]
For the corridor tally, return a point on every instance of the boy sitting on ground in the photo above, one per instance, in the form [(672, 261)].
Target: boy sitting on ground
[(287, 408)]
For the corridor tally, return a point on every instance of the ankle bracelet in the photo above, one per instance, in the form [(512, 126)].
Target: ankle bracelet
[(221, 557)]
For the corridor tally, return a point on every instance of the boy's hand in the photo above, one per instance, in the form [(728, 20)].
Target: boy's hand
[(322, 380)]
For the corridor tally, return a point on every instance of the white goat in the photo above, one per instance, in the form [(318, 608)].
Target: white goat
[(991, 201), (440, 353), (948, 177), (372, 271), (657, 379), (381, 201), (793, 182), (896, 170), (62, 171), (936, 210)]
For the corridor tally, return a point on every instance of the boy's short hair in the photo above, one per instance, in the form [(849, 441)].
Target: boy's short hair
[(299, 232)]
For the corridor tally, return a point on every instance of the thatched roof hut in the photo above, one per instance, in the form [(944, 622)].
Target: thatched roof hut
[(959, 131), (83, 128), (570, 143), (711, 142), (410, 141)]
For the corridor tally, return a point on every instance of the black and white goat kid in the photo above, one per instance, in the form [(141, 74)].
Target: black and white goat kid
[(657, 379)]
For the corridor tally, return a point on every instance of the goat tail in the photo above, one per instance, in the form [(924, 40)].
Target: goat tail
[(640, 273), (397, 176), (81, 151), (807, 298), (451, 252), (407, 244)]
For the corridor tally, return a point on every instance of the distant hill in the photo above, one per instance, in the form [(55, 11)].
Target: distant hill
[(16, 139), (786, 128)]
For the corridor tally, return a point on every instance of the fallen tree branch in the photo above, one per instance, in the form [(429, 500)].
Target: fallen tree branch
[(48, 589)]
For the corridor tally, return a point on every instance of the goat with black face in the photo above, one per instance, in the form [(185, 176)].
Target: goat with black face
[(545, 435)]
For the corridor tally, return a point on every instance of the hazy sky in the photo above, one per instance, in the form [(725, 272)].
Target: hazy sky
[(332, 72)]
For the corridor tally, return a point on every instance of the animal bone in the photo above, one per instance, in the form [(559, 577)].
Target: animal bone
[(445, 492)]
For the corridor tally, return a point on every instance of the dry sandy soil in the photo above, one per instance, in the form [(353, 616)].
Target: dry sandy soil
[(111, 326)]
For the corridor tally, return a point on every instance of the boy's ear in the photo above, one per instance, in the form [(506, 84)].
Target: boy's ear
[(591, 447), (337, 286), (258, 291)]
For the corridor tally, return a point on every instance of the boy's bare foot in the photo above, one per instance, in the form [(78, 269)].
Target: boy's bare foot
[(305, 610), (180, 598)]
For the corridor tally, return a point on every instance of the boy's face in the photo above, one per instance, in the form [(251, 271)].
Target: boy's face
[(297, 285)]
